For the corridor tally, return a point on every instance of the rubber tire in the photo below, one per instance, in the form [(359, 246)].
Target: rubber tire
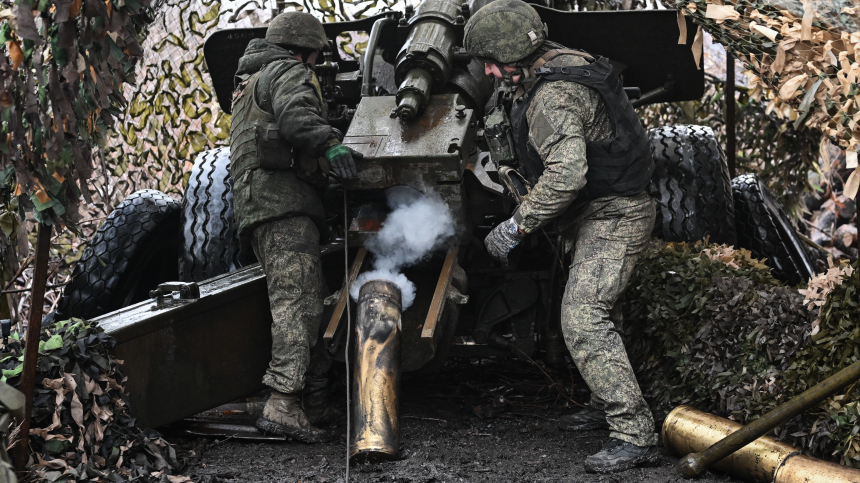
[(764, 229), (691, 185), (210, 244), (135, 249)]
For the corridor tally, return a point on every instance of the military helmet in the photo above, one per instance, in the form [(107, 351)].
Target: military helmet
[(297, 29), (505, 31)]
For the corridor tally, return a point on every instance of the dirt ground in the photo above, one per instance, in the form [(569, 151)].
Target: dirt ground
[(485, 420)]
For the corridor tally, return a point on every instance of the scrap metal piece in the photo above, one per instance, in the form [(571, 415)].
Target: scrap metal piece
[(234, 420), (376, 387)]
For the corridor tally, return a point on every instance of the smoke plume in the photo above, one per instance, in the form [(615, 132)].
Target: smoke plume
[(417, 226)]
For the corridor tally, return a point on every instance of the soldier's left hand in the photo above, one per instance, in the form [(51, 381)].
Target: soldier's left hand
[(502, 239)]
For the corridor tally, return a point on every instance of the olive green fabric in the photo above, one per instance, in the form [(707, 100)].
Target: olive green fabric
[(245, 152), (504, 31), (297, 29), (562, 118), (288, 90), (608, 235), (289, 254)]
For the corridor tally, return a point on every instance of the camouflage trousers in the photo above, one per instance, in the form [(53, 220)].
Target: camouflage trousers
[(608, 236), (288, 250)]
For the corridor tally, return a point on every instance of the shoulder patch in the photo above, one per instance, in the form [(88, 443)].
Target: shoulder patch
[(540, 128)]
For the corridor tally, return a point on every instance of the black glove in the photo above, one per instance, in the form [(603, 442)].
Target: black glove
[(342, 161)]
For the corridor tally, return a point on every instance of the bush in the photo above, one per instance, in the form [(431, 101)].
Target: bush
[(81, 429), (709, 326)]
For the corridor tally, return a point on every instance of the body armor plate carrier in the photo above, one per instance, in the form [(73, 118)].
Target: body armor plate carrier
[(617, 166), (255, 141)]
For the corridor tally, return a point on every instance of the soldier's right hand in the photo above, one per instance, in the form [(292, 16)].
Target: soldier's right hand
[(342, 161), (502, 239)]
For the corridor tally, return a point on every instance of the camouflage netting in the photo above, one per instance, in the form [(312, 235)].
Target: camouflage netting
[(81, 429), (709, 326), (766, 144), (173, 113), (806, 52), (62, 74)]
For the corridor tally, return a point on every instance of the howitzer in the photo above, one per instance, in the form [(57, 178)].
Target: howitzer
[(414, 106)]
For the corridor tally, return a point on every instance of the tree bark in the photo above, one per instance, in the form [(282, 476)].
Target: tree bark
[(31, 350)]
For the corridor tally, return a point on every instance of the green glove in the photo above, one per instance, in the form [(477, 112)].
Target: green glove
[(342, 161)]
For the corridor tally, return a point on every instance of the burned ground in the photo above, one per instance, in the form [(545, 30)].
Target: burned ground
[(480, 420)]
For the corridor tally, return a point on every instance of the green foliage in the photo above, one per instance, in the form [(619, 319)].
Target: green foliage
[(62, 74), (81, 429), (710, 327)]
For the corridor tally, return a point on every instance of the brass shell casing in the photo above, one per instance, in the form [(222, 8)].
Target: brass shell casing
[(687, 430), (376, 377), (802, 469)]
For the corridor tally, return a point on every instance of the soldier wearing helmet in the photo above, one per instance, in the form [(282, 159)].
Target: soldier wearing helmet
[(282, 151), (582, 147)]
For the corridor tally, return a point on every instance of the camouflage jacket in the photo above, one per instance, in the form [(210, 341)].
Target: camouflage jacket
[(290, 90), (562, 118)]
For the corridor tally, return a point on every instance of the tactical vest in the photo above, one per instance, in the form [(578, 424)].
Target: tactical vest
[(267, 185), (617, 166), (254, 138)]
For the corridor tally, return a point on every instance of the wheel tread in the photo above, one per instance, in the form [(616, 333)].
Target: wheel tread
[(691, 185), (98, 273), (758, 231), (211, 243)]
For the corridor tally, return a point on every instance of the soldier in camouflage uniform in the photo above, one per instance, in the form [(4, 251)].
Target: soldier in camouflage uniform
[(282, 150), (579, 142)]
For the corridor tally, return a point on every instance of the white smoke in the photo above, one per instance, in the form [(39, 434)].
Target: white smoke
[(416, 227)]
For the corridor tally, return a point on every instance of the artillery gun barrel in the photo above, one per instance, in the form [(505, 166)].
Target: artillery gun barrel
[(427, 56), (376, 412), (413, 93)]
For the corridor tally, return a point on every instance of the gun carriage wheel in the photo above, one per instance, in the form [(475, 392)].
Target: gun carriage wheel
[(691, 185), (765, 229), (210, 245), (134, 250)]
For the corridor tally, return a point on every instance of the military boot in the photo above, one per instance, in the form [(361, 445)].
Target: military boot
[(618, 455), (283, 415), (316, 404), (586, 419)]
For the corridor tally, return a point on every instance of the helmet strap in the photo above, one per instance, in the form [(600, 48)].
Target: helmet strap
[(509, 76)]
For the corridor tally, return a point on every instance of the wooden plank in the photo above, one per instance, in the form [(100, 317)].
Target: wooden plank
[(354, 270), (440, 294)]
